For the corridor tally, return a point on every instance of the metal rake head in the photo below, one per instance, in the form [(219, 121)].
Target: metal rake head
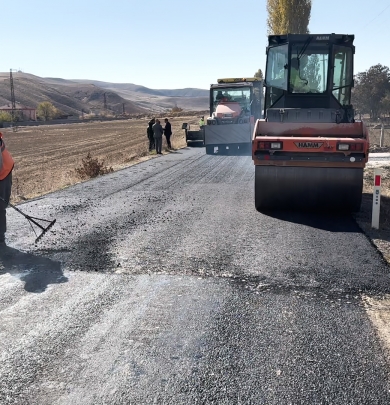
[(45, 230)]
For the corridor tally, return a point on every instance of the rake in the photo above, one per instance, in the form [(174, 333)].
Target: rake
[(33, 220)]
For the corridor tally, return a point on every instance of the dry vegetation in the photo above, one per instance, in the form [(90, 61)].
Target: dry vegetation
[(47, 156)]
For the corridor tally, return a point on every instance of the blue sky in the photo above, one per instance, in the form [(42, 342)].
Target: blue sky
[(169, 44)]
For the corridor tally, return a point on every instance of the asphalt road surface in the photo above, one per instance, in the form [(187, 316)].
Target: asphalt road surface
[(161, 284)]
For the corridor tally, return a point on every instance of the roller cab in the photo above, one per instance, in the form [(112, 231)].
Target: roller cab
[(308, 151)]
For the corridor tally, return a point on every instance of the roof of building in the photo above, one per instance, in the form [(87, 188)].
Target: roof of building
[(17, 107)]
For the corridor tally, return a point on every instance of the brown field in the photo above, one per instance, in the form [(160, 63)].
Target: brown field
[(46, 156)]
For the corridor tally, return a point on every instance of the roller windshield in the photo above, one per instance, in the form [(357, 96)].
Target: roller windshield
[(309, 68), (241, 96), (342, 74), (276, 73)]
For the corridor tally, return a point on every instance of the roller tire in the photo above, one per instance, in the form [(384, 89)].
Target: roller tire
[(308, 188)]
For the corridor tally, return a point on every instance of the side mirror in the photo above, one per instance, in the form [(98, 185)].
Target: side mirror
[(184, 125)]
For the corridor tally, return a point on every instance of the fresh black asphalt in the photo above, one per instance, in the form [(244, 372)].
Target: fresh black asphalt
[(161, 284)]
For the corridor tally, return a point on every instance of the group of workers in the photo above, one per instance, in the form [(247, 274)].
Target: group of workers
[(155, 131)]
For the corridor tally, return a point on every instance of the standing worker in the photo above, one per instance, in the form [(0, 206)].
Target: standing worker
[(168, 132), (157, 134), (201, 123), (6, 167), (149, 131)]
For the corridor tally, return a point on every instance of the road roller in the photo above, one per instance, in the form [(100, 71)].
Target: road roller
[(309, 151)]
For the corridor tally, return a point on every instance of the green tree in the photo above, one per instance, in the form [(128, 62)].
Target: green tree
[(371, 91), (311, 71), (259, 74), (288, 16), (5, 117), (385, 104), (46, 111)]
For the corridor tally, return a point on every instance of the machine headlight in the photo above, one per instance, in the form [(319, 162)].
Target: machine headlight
[(270, 145), (343, 146)]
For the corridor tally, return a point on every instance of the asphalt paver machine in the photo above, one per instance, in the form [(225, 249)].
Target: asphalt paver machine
[(235, 105)]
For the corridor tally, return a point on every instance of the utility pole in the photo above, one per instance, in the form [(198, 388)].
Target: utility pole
[(123, 108), (13, 103), (105, 102)]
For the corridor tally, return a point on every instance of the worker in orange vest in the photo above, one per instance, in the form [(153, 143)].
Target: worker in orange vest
[(6, 166)]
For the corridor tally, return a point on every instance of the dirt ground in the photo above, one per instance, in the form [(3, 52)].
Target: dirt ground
[(46, 157)]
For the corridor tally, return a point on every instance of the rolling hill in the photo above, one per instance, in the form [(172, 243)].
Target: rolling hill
[(76, 96)]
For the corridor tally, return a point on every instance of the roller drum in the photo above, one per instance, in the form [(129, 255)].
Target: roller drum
[(308, 188)]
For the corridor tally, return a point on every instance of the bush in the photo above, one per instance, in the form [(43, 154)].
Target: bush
[(5, 116), (92, 168)]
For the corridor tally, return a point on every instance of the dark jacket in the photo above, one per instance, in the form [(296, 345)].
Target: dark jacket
[(157, 130), (168, 129), (149, 131)]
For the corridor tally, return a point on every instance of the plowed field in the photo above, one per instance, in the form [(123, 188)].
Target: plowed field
[(46, 156)]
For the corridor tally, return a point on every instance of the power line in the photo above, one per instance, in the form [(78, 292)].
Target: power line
[(377, 16), (379, 27)]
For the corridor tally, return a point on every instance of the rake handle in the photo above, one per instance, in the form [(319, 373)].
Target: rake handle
[(32, 219)]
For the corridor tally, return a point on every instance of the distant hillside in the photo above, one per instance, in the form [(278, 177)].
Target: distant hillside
[(75, 96), (187, 92), (69, 97), (158, 100)]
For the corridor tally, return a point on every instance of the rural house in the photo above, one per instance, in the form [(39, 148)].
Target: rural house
[(24, 113)]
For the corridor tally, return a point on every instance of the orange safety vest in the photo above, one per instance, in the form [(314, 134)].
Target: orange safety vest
[(8, 161)]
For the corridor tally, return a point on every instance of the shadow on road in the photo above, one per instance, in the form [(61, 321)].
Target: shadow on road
[(37, 272), (175, 152), (195, 144), (332, 222)]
